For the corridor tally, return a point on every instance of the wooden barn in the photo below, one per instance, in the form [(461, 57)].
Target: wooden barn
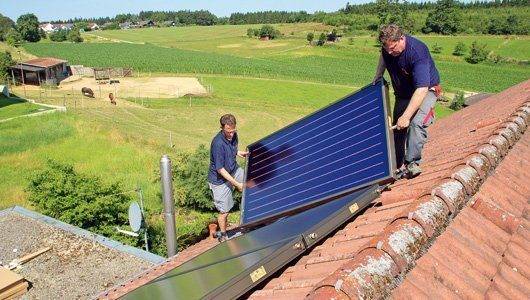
[(46, 70)]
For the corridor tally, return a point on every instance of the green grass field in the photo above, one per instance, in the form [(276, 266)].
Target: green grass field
[(225, 50), (16, 107)]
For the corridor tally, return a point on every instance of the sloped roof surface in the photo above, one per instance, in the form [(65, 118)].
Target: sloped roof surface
[(44, 62), (463, 150), (485, 252)]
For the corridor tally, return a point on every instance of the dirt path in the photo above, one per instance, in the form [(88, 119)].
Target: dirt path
[(141, 87)]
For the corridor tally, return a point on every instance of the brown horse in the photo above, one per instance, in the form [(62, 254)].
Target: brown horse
[(112, 99), (87, 92)]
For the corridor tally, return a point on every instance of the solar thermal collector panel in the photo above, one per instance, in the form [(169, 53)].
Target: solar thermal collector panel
[(338, 149), (232, 268)]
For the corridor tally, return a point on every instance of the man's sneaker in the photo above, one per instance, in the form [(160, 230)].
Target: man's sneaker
[(401, 173), (413, 170), (221, 236)]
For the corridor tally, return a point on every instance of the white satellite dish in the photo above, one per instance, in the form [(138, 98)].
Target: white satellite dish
[(135, 216)]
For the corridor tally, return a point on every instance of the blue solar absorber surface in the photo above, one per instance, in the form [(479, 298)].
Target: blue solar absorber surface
[(339, 148)]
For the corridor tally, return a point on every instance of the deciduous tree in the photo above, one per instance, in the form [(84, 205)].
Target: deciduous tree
[(445, 18), (28, 27)]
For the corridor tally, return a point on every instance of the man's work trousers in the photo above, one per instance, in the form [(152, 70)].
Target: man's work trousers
[(409, 142)]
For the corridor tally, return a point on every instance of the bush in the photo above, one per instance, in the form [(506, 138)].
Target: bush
[(6, 61), (322, 39), (85, 201), (310, 37), (436, 48), (477, 53), (458, 101), (251, 32), (460, 49), (13, 37), (268, 30), (74, 36), (59, 35), (190, 173)]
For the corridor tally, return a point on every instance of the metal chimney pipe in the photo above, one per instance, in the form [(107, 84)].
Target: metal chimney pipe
[(166, 178)]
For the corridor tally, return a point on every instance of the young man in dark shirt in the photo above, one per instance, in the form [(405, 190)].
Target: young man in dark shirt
[(224, 173), (416, 84)]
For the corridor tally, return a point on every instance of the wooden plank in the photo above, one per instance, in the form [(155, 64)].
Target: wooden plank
[(15, 291), (8, 279)]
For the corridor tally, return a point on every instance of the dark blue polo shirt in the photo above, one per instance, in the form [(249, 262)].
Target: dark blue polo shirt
[(412, 69), (222, 155)]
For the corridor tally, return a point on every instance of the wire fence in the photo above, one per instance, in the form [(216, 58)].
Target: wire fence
[(84, 92)]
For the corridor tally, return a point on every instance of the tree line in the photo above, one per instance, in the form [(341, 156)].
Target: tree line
[(443, 17)]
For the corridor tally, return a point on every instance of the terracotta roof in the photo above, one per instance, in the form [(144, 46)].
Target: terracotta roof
[(366, 256), (462, 151), (485, 252), (44, 62)]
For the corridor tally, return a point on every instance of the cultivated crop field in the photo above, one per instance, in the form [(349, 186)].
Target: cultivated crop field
[(226, 50)]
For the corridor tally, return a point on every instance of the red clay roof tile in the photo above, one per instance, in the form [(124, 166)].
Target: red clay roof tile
[(486, 230), (478, 241)]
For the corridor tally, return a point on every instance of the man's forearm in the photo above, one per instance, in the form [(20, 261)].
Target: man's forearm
[(415, 102), (227, 176)]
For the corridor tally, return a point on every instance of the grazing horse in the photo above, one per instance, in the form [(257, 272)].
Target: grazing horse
[(87, 92), (112, 99)]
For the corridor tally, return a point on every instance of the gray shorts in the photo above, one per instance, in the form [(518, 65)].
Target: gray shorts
[(222, 193)]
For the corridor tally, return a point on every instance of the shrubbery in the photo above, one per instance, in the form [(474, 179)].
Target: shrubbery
[(477, 53), (74, 36), (6, 61), (62, 35), (85, 201), (264, 31), (458, 101), (252, 32), (322, 39), (59, 35), (190, 172), (460, 49), (310, 37), (436, 48), (268, 30), (13, 37)]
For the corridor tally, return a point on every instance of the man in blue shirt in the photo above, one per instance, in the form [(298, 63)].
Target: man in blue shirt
[(224, 173), (416, 84)]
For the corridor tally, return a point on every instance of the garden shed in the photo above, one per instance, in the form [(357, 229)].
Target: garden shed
[(37, 71)]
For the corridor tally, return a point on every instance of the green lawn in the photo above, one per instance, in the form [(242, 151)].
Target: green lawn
[(124, 143), (225, 39), (16, 107)]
